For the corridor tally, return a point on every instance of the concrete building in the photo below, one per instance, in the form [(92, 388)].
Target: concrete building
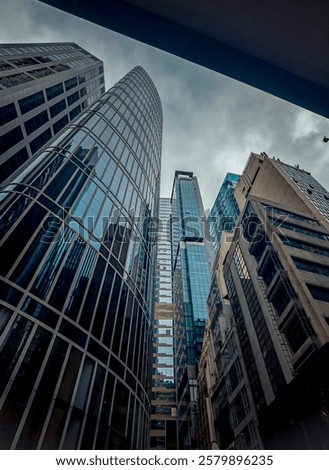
[(163, 413), (206, 380), (220, 346), (276, 278), (43, 87), (77, 279), (228, 383)]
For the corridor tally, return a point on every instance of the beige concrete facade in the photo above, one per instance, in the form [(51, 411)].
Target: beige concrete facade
[(275, 277)]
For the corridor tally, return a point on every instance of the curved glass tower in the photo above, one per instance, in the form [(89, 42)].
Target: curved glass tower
[(77, 278)]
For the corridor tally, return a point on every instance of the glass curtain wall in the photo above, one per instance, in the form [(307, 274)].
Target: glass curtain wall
[(77, 279)]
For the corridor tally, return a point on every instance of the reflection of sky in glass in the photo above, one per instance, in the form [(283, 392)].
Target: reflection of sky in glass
[(83, 278)]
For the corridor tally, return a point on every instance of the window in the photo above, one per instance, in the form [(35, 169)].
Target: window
[(311, 267), (43, 59), (296, 228), (54, 91), (279, 297), (294, 332), (23, 62), (31, 102), (157, 424), (10, 139), (304, 246), (37, 121), (169, 361), (5, 65), (269, 268), (60, 124), (7, 113), (14, 80), (10, 165), (40, 73), (233, 377), (238, 409), (41, 140), (75, 112), (72, 98), (71, 83), (59, 67), (57, 108), (319, 293), (275, 210), (240, 264)]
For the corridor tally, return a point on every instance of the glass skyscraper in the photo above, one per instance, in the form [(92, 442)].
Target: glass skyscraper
[(77, 279), (43, 87), (225, 210), (191, 281)]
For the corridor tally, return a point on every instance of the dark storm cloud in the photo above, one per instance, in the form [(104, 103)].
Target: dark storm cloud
[(211, 123)]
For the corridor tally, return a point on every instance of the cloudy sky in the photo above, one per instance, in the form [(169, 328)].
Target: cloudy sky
[(211, 122)]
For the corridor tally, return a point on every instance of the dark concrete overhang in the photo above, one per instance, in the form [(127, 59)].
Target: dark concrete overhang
[(280, 47)]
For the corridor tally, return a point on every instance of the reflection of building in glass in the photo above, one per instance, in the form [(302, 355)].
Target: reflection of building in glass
[(271, 389), (43, 87), (77, 279), (191, 279), (163, 417), (224, 211)]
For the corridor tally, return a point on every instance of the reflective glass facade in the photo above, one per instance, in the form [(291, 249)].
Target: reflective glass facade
[(193, 263), (191, 281), (77, 279), (43, 87), (225, 210)]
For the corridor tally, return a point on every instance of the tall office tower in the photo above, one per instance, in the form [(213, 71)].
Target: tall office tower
[(225, 210), (163, 417), (43, 87), (276, 275), (191, 280), (77, 279)]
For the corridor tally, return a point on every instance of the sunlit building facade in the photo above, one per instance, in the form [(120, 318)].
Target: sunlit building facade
[(43, 87), (77, 279)]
